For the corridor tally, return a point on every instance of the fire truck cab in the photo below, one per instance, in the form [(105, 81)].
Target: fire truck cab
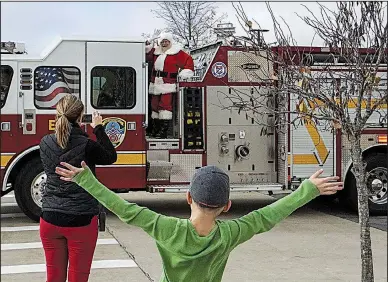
[(111, 76)]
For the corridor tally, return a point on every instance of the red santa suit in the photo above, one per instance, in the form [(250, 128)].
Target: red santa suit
[(166, 66)]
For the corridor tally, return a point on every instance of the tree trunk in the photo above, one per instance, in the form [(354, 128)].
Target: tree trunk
[(363, 209)]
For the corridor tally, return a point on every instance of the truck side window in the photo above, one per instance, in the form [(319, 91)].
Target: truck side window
[(113, 87), (52, 83), (6, 78)]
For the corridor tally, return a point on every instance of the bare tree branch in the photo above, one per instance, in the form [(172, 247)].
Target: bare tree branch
[(342, 87), (190, 22)]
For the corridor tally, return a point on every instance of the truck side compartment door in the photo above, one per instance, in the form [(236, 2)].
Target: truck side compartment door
[(116, 85)]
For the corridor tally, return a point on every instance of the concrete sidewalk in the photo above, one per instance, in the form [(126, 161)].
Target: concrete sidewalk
[(307, 246)]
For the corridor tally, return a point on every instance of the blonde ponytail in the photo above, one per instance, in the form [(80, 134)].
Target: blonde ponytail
[(69, 110), (62, 131)]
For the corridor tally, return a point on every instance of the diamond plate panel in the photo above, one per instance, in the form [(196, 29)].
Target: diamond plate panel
[(184, 166), (159, 170), (157, 155), (367, 140), (248, 67)]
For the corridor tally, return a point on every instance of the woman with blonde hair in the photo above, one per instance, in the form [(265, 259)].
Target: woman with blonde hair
[(69, 223)]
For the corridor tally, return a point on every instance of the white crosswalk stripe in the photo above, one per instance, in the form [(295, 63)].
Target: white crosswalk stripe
[(37, 245), (31, 268), (22, 251), (9, 204), (19, 228), (13, 215)]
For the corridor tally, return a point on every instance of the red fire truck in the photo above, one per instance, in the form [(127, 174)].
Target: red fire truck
[(203, 131)]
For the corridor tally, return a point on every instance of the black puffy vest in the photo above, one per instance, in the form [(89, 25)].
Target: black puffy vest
[(59, 195)]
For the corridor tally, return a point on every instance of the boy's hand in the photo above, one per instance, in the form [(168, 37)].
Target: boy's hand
[(326, 186), (68, 174)]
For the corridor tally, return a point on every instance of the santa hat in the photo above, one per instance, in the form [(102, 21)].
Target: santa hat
[(167, 36)]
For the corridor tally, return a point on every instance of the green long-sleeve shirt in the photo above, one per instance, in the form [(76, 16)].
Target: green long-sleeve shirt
[(186, 256)]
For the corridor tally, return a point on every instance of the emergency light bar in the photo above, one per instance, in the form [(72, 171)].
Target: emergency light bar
[(12, 48)]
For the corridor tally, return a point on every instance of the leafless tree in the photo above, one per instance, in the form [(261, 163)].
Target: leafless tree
[(190, 22), (341, 100), (153, 36)]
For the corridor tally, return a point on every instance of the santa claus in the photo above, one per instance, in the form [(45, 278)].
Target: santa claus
[(169, 62)]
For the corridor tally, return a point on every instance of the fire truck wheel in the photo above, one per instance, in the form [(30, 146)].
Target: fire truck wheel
[(376, 181), (28, 185)]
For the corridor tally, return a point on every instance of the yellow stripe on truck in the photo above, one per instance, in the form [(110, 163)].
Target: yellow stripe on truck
[(318, 141), (5, 160), (306, 159), (351, 103), (122, 159), (130, 159)]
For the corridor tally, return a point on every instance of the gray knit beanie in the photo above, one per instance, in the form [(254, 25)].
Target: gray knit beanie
[(210, 187)]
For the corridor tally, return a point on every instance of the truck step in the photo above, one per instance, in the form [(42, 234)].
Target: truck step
[(167, 188), (264, 187), (256, 187)]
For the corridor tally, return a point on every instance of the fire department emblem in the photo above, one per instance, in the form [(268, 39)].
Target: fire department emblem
[(115, 129), (219, 70)]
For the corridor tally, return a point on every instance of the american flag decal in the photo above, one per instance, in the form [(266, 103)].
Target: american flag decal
[(52, 83)]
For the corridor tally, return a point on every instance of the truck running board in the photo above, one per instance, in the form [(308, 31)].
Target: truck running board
[(264, 187)]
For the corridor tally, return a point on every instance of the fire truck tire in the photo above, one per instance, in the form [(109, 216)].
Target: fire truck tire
[(377, 176), (32, 173)]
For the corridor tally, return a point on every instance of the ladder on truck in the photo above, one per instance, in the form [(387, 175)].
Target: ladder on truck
[(12, 48)]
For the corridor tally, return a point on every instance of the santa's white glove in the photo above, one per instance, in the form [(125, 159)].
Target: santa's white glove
[(186, 73), (148, 46)]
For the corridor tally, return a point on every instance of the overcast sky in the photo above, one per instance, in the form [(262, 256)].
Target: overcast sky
[(38, 23)]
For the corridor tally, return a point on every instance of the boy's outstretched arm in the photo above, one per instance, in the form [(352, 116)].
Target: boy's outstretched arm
[(264, 219), (158, 226)]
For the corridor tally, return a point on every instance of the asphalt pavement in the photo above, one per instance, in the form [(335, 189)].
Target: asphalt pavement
[(310, 245)]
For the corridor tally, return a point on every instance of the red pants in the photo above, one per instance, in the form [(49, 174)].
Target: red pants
[(73, 245), (162, 106)]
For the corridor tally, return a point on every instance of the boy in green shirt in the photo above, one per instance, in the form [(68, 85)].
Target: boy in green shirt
[(197, 249)]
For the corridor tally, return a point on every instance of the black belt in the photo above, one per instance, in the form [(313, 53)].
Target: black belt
[(164, 74)]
